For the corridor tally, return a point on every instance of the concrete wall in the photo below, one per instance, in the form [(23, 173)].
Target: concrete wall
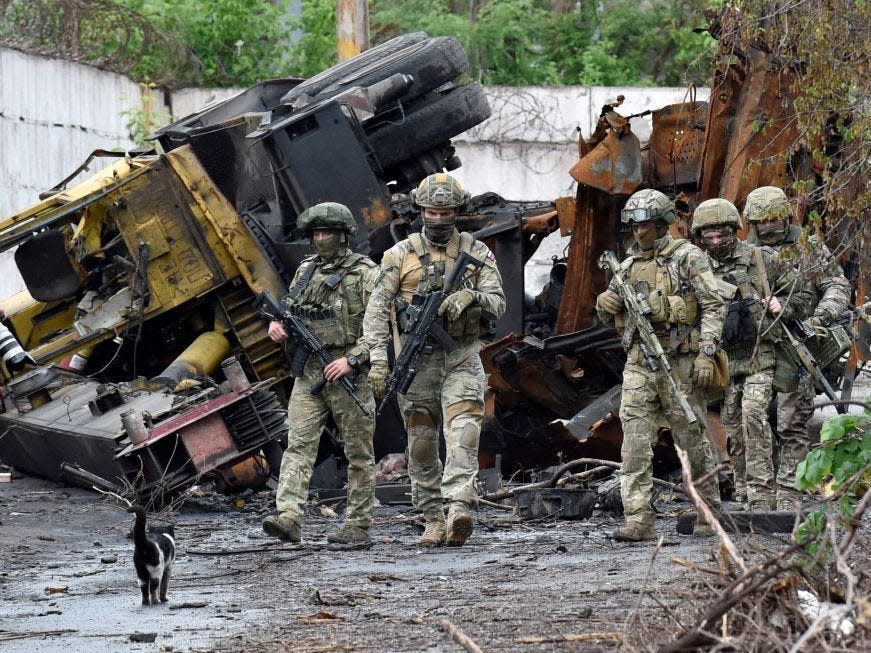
[(53, 113)]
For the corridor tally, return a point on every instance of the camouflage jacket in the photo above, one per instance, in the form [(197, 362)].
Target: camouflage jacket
[(815, 263), (333, 299), (403, 274), (675, 277), (740, 281)]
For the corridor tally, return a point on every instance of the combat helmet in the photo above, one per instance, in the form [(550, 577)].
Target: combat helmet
[(646, 205), (767, 203), (715, 213), (327, 215), (439, 191)]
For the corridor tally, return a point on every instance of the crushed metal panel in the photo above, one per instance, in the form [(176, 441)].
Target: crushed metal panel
[(613, 166)]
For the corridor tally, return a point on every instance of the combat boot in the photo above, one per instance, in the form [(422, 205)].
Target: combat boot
[(436, 531), (760, 505), (460, 524), (349, 535), (635, 532), (702, 529), (788, 501), (282, 527)]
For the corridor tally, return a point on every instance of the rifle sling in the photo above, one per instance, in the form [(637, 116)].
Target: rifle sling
[(302, 282)]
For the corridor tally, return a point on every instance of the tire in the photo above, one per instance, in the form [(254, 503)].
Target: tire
[(431, 63), (314, 85), (433, 124)]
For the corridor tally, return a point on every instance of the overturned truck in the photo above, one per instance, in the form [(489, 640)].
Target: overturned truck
[(149, 367)]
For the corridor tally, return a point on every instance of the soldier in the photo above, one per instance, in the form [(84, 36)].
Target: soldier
[(449, 388), (329, 291), (748, 340), (675, 278), (769, 215)]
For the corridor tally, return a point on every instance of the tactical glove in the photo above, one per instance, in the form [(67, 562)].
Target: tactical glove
[(378, 374), (704, 371), (455, 303), (610, 302)]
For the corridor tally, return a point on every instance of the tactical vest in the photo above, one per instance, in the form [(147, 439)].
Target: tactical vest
[(673, 302), (741, 290), (431, 278), (744, 291), (331, 303)]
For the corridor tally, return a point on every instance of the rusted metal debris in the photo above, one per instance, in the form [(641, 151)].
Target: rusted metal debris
[(557, 398)]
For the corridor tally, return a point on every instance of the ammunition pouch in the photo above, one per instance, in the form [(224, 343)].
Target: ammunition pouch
[(787, 367), (324, 324), (467, 325), (658, 302)]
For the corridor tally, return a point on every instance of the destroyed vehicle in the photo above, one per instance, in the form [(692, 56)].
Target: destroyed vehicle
[(148, 270)]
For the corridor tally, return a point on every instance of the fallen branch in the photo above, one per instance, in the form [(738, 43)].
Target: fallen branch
[(742, 587), (703, 509), (493, 504), (580, 637), (552, 481), (460, 637), (6, 636)]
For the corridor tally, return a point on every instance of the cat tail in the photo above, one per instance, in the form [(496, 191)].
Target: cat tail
[(139, 527)]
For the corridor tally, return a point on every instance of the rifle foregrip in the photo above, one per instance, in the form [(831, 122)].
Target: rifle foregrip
[(318, 387)]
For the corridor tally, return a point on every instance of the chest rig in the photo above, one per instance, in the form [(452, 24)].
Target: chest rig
[(330, 302), (674, 308), (432, 278), (739, 285)]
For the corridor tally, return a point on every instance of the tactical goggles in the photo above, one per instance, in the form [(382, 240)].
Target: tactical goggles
[(636, 215)]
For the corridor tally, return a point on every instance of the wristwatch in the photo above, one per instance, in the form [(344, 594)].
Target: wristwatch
[(354, 362), (708, 350)]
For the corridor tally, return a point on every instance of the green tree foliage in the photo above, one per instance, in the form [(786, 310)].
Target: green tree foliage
[(233, 42), (534, 42), (239, 42), (840, 465)]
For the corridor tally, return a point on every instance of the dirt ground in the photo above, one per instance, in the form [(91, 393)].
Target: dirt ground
[(67, 581)]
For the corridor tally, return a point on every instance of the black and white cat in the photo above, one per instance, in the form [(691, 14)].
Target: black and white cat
[(153, 555)]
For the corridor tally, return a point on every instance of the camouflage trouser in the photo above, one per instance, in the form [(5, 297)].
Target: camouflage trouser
[(745, 421), (794, 411), (449, 391), (307, 415), (646, 404)]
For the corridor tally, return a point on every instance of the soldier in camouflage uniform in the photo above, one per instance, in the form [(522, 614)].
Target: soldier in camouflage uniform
[(769, 214), (739, 268), (329, 291), (687, 315), (449, 388)]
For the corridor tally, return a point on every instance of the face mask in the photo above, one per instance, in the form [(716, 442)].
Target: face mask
[(771, 233), (723, 248), (328, 248), (438, 229)]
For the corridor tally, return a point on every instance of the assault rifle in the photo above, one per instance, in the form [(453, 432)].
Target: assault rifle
[(638, 309), (307, 344), (424, 321), (808, 362)]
